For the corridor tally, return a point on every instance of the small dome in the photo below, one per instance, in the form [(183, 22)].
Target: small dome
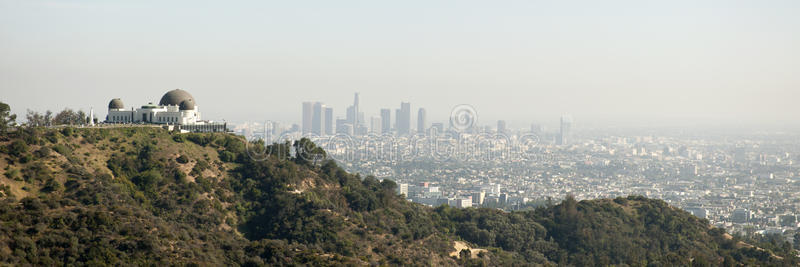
[(187, 104), (116, 103), (175, 97)]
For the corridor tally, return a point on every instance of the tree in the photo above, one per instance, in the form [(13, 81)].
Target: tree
[(308, 152), (69, 117), (35, 118), (797, 239), (7, 120)]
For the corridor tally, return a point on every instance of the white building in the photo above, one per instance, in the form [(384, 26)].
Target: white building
[(177, 107)]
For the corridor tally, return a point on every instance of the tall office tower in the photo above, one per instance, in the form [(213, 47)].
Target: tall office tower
[(308, 110), (386, 121), (566, 129), (328, 121), (501, 127), (318, 120), (396, 121), (353, 112), (356, 110), (404, 119), (422, 124), (271, 128), (375, 125)]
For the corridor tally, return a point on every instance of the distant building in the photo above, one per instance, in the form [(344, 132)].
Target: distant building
[(404, 119), (478, 197), (422, 125), (537, 128), (438, 126), (698, 212), (308, 115), (402, 189), (318, 119), (328, 129), (343, 127), (788, 220), (361, 129), (566, 129), (354, 114), (501, 127), (177, 107), (463, 203), (386, 121), (375, 125), (688, 171), (741, 216), (356, 110)]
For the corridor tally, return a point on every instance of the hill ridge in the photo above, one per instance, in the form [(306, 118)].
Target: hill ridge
[(148, 196)]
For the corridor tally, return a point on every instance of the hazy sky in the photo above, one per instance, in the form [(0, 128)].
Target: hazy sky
[(523, 61)]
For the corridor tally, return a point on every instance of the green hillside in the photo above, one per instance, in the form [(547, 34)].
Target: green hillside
[(146, 196)]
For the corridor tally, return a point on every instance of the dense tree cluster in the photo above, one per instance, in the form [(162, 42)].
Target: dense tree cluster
[(64, 117)]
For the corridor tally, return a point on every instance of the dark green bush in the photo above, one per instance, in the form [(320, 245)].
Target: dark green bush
[(182, 159)]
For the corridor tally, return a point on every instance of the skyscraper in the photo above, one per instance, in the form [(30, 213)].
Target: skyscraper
[(566, 129), (356, 110), (318, 119), (328, 129), (422, 124), (501, 127), (308, 110), (386, 122), (397, 121), (353, 112), (375, 125), (404, 119)]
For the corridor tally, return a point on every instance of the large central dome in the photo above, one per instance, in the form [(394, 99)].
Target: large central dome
[(116, 103), (175, 97)]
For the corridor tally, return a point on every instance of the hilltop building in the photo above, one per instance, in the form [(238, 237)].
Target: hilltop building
[(177, 107)]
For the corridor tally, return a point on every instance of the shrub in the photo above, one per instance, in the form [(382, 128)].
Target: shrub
[(182, 159), (51, 186), (26, 158), (179, 138), (17, 148), (62, 149), (42, 152), (68, 131), (14, 174), (227, 156), (147, 180)]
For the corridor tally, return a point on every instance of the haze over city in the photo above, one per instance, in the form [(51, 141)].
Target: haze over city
[(627, 62)]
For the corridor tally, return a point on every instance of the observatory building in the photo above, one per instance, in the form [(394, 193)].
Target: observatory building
[(177, 107)]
